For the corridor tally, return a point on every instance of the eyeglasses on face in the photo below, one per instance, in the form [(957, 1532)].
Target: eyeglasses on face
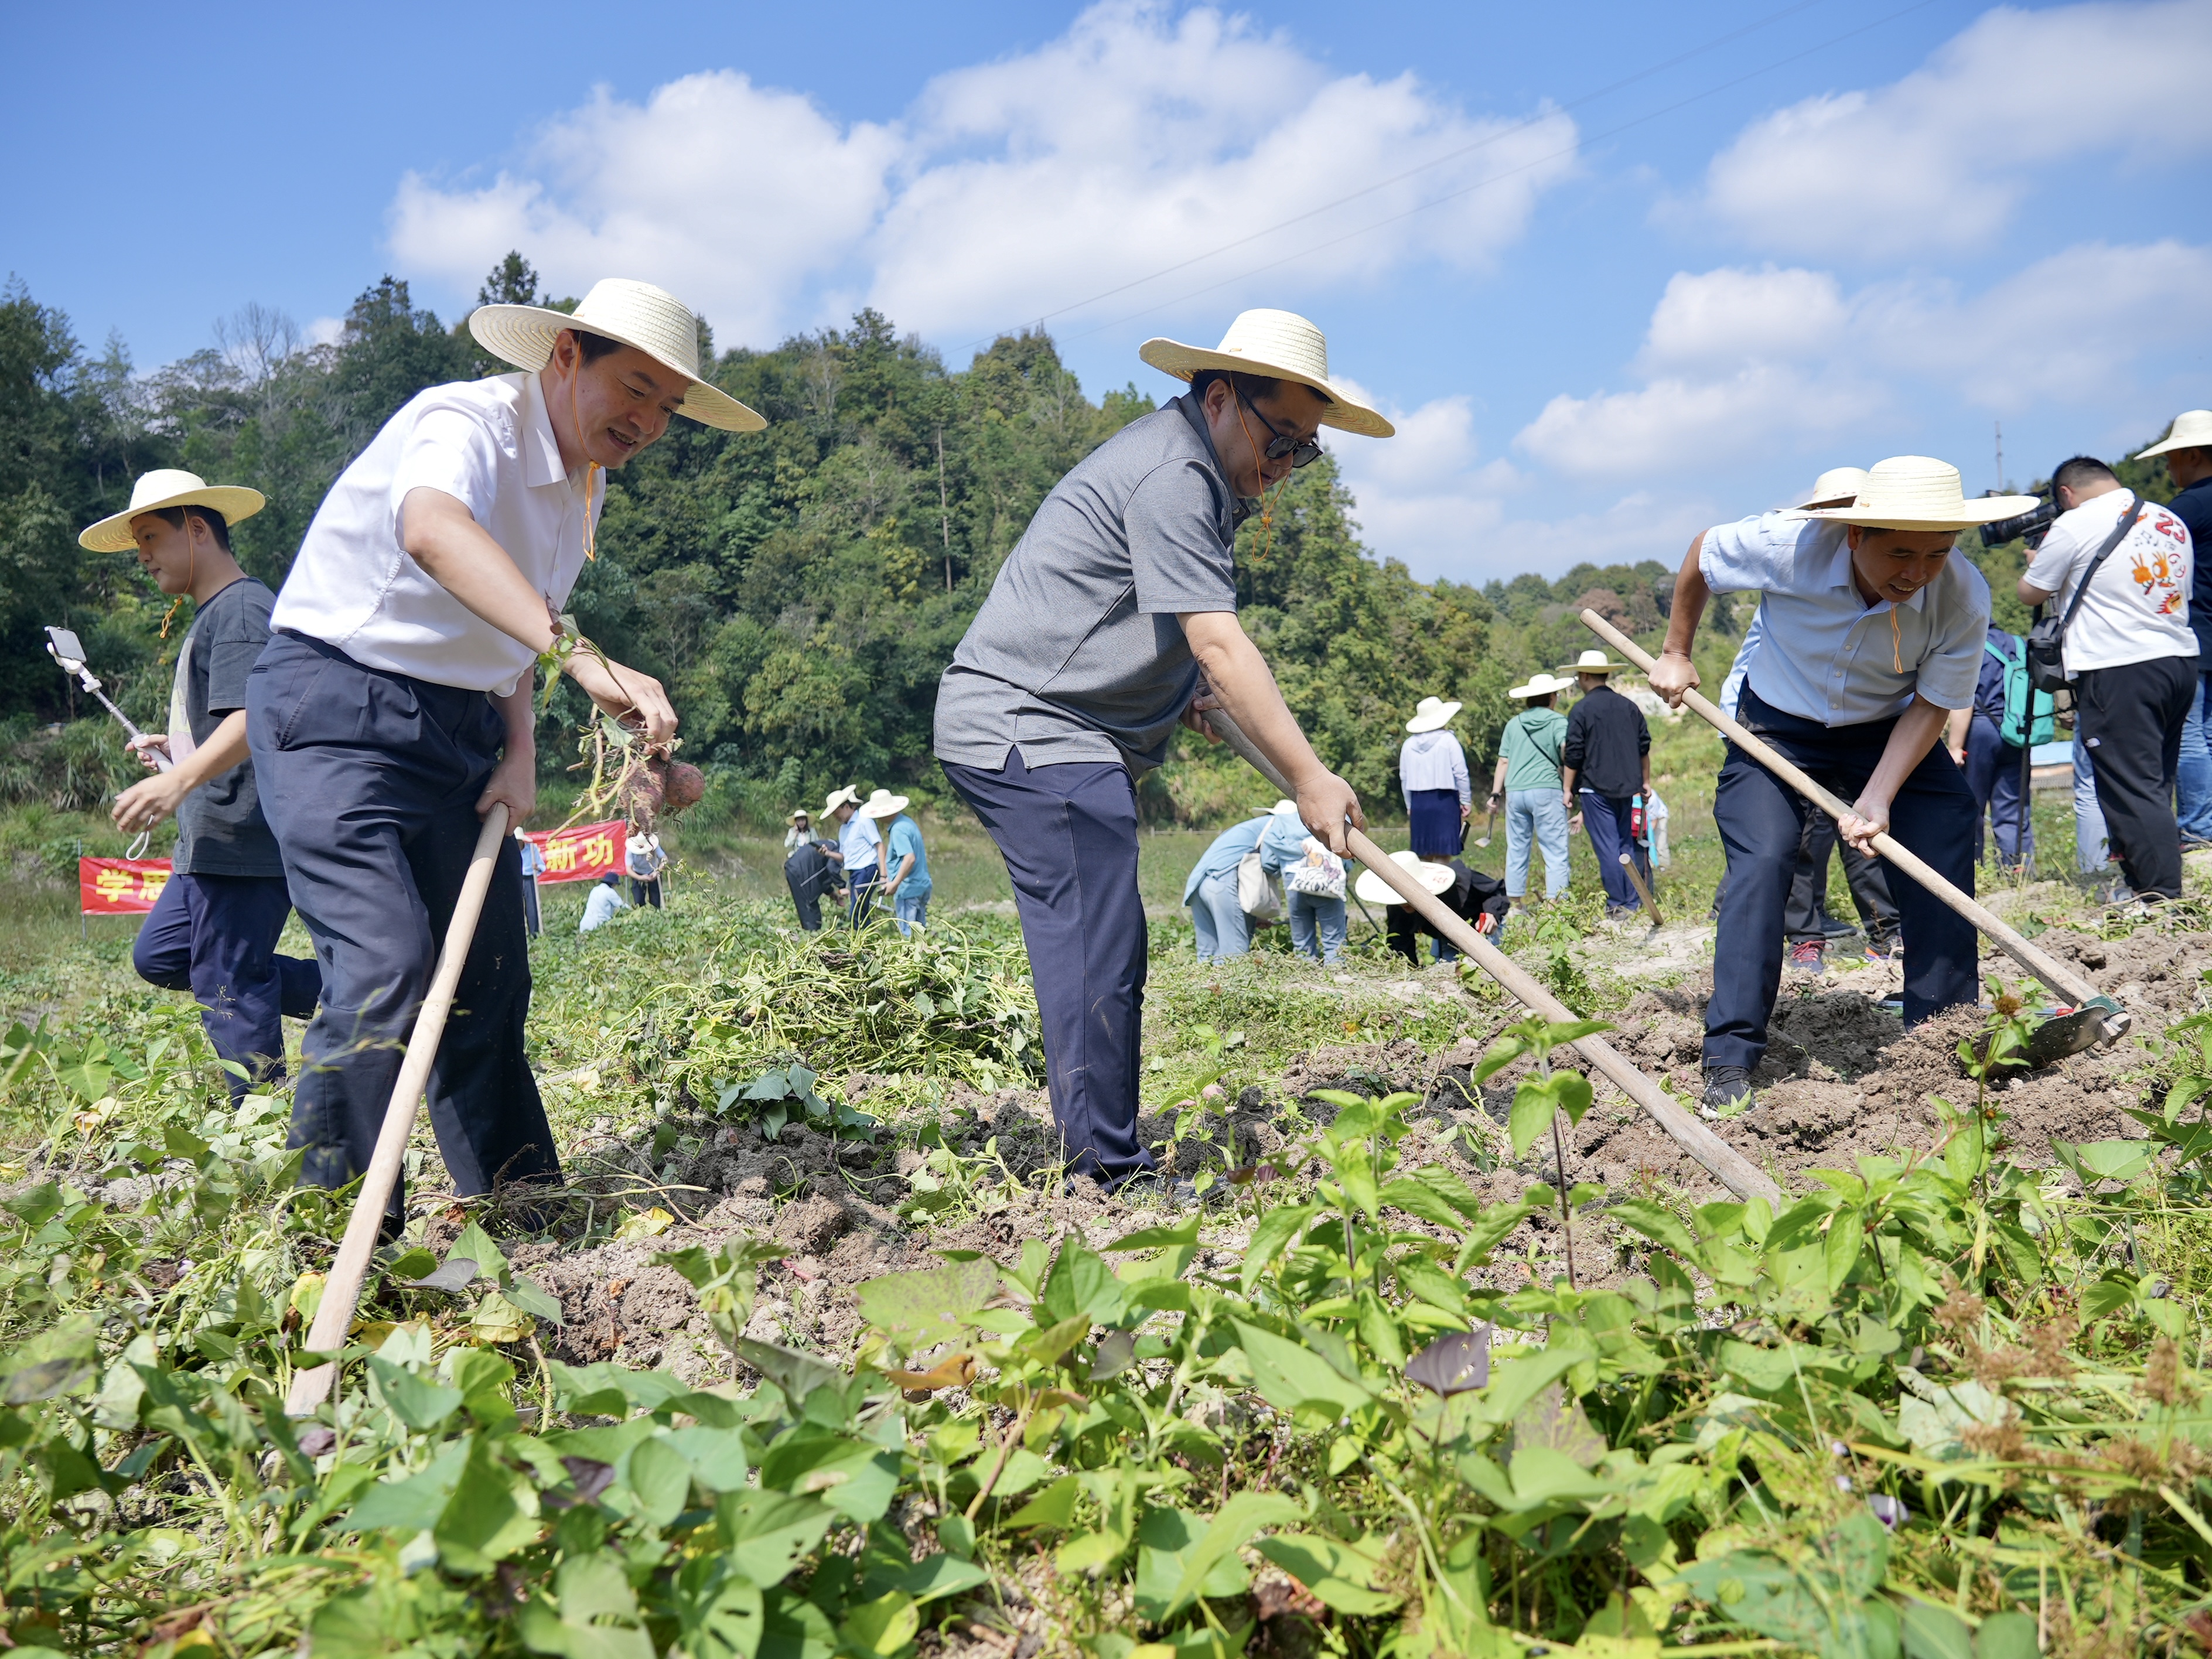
[(1302, 452)]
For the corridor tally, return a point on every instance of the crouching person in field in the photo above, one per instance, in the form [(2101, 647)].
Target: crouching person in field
[(392, 709)]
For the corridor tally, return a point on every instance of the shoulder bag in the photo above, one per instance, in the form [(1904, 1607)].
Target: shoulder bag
[(1259, 895), (2046, 640)]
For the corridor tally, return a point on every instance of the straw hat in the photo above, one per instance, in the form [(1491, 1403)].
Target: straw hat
[(1540, 685), (1837, 484), (1912, 492), (848, 796), (883, 804), (1281, 345), (1432, 712), (166, 487), (801, 813), (1437, 877), (2190, 429), (1593, 662), (636, 314), (1281, 807)]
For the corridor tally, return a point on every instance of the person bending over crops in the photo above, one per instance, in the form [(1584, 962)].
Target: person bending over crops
[(1871, 634), (214, 930), (1115, 617), (392, 709)]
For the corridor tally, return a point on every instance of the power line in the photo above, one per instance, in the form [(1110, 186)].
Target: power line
[(1497, 177), (1498, 137)]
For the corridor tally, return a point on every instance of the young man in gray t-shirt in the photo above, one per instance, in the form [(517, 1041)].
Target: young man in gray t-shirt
[(1115, 618), (214, 930)]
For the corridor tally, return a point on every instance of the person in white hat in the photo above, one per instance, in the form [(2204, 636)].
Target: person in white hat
[(393, 708), (1477, 898), (2187, 451), (2121, 570), (800, 833), (1871, 635), (1432, 781), (214, 930), (859, 852), (1527, 781), (1119, 603), (645, 860), (906, 884)]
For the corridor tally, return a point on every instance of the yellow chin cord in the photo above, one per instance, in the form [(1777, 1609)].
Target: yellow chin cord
[(1267, 508), (590, 466), (192, 570), (1896, 642)]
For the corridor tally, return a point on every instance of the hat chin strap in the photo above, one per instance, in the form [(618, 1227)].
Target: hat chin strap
[(590, 466)]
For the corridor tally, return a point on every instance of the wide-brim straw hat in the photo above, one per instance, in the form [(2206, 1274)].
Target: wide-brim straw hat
[(1541, 685), (1437, 877), (1593, 662), (167, 487), (883, 804), (1432, 712), (801, 813), (847, 796), (636, 314), (1281, 807), (1282, 346), (2192, 429), (1916, 492), (1837, 484)]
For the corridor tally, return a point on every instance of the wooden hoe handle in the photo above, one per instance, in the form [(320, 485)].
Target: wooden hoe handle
[(1732, 1168), (2055, 974), (342, 1290)]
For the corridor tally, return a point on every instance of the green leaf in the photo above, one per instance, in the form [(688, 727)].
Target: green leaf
[(1656, 1223), (797, 1374), (55, 1362), (1572, 1090), (1934, 1632), (1534, 1107), (422, 1405), (1846, 1235), (34, 1207), (415, 1503), (930, 1579), (528, 1296), (1271, 1237), (936, 1304), (492, 1514), (1081, 1284), (1183, 1234), (1237, 1520), (717, 1455), (2009, 1635), (660, 1478), (767, 1533), (882, 1626), (475, 1245), (2104, 1160), (1418, 1198), (1054, 1507), (1289, 1377), (1339, 1574)]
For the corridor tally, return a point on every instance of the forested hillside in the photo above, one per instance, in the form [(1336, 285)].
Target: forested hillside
[(801, 589)]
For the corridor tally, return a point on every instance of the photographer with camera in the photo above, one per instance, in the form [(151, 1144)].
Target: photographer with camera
[(2121, 570), (2187, 447)]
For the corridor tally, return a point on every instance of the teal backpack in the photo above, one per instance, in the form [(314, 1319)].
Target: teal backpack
[(2016, 696)]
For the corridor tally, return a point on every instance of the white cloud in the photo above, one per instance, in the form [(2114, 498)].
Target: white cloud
[(1938, 161), (1680, 423), (1423, 498), (1726, 318), (325, 330), (1138, 138)]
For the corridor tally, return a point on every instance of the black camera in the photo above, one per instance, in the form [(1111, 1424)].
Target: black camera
[(2034, 525)]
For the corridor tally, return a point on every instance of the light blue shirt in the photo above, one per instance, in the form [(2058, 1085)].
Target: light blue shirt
[(1227, 852), (906, 838), (861, 844), (599, 909), (1825, 654), (1283, 842), (1732, 687)]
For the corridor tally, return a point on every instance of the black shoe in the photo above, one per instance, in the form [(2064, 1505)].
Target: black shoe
[(1831, 928), (1728, 1091)]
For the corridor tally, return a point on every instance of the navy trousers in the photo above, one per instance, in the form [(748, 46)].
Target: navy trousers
[(1069, 836), (1761, 820), (1606, 821), (370, 781), (1993, 774), (216, 936)]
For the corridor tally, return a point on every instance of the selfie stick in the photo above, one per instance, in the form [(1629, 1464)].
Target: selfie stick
[(72, 665)]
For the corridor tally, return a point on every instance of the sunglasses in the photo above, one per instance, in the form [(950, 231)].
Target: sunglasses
[(1302, 452)]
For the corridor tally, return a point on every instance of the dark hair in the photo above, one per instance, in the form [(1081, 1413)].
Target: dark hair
[(218, 526), (2081, 470), (1543, 702), (1255, 386), (593, 346)]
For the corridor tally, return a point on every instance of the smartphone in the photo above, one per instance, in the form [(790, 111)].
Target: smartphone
[(65, 646)]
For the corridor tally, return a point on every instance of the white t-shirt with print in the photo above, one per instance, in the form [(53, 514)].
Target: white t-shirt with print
[(2138, 606)]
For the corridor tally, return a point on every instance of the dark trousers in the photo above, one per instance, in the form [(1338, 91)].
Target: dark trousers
[(1808, 889), (532, 921), (645, 892), (370, 781), (860, 893), (1606, 821), (1993, 774), (1762, 825), (216, 936), (2130, 717), (1069, 836)]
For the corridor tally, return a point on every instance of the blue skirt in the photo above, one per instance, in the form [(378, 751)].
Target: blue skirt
[(1436, 823)]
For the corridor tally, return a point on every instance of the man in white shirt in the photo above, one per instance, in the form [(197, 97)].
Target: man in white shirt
[(2131, 654), (860, 851), (1871, 634), (391, 709)]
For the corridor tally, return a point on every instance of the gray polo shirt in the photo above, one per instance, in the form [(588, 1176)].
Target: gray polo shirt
[(220, 829), (1077, 654)]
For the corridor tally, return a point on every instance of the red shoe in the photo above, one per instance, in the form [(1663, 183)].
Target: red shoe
[(1810, 958)]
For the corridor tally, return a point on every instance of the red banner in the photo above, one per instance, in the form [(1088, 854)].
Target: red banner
[(584, 853), (119, 887)]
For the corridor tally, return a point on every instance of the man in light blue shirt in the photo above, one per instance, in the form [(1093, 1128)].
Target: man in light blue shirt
[(859, 850), (908, 885), (1224, 929), (1871, 634), (605, 900)]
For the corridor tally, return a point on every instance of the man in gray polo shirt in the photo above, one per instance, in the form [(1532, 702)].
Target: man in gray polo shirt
[(1115, 618)]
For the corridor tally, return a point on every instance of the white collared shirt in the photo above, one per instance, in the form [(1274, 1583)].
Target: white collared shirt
[(490, 445), (2138, 607), (1825, 654)]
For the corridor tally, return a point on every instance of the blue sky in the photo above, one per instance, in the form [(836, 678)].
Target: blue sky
[(1804, 232)]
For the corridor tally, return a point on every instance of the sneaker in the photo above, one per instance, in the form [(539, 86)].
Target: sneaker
[(1877, 955), (1809, 957), (1831, 928), (1727, 1091)]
